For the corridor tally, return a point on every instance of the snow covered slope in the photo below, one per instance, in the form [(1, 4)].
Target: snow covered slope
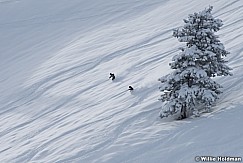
[(58, 105)]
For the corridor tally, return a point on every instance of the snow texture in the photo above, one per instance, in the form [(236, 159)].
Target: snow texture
[(57, 103)]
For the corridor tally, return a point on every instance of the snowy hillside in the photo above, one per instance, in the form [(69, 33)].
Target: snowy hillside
[(58, 105)]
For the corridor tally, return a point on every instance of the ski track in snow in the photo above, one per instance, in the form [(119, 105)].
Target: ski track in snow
[(58, 105)]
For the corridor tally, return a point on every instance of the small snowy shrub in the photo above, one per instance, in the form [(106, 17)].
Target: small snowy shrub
[(189, 89)]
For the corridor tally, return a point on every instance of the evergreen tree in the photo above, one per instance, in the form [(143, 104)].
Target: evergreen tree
[(190, 89)]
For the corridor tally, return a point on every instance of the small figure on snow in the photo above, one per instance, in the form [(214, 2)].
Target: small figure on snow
[(112, 76), (130, 88)]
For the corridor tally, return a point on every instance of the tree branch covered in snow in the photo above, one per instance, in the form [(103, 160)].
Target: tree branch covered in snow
[(190, 85)]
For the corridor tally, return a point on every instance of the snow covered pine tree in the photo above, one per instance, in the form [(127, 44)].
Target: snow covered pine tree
[(189, 89)]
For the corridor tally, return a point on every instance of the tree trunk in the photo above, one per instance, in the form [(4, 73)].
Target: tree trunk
[(183, 112)]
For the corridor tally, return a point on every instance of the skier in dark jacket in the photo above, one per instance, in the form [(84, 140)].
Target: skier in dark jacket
[(112, 76), (130, 88)]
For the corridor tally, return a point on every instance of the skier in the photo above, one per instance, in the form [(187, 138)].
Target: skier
[(130, 88), (112, 76)]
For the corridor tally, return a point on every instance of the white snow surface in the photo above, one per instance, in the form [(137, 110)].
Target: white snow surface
[(58, 105)]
